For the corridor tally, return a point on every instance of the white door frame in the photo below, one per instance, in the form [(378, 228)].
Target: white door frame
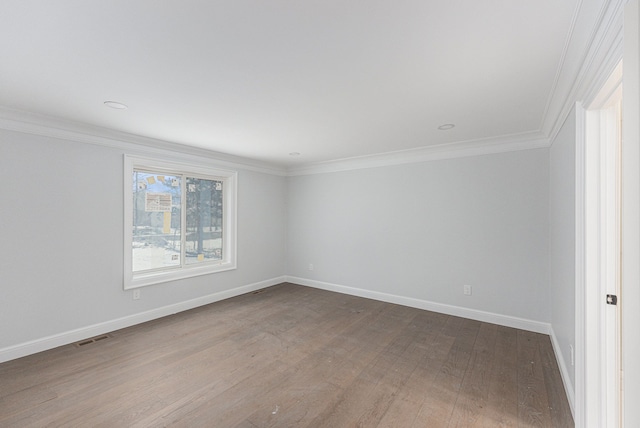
[(598, 208), (631, 217)]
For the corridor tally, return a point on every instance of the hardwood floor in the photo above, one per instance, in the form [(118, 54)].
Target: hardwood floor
[(292, 356)]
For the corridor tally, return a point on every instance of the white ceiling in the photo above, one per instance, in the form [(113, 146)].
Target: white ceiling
[(329, 79)]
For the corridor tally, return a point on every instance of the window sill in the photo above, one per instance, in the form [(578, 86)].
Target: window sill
[(151, 278)]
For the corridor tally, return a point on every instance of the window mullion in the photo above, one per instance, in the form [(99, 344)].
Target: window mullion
[(183, 220), (150, 252)]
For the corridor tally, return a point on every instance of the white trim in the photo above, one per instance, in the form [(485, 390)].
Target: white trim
[(485, 146), (579, 413), (47, 126), (597, 251), (564, 372), (592, 405), (458, 311), (230, 221), (608, 52), (630, 294), (50, 342), (561, 63), (610, 232), (603, 53), (28, 123)]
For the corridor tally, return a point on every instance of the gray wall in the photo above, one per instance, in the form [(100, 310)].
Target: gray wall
[(562, 239), (423, 230), (61, 248), (418, 230)]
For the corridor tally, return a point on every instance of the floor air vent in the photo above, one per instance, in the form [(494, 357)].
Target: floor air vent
[(92, 340)]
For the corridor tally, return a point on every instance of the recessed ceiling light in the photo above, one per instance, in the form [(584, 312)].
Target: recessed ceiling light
[(116, 105), (446, 126), (294, 154)]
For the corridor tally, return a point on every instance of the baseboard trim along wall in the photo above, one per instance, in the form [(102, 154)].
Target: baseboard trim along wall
[(474, 314), (50, 342), (564, 372)]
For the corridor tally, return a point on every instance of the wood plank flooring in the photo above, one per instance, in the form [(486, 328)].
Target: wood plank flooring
[(292, 356)]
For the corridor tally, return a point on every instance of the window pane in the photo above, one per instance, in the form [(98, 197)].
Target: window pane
[(204, 220), (156, 221)]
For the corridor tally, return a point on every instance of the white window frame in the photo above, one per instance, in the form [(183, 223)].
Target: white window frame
[(229, 221)]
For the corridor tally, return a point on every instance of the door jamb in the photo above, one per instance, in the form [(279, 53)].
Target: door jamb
[(597, 257)]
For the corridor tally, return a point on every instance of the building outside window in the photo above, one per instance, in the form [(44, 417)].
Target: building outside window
[(179, 221)]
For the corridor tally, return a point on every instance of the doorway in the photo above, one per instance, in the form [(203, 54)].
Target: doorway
[(598, 254)]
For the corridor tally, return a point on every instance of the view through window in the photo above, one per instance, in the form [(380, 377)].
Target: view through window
[(179, 220)]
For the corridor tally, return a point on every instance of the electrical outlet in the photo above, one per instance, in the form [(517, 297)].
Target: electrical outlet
[(467, 290), (136, 294), (310, 266), (572, 356)]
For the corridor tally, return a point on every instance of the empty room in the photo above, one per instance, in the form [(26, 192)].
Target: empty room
[(320, 213)]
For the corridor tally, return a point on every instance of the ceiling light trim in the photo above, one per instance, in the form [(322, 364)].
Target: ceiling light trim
[(116, 105)]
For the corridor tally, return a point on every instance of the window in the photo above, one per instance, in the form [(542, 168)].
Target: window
[(179, 221)]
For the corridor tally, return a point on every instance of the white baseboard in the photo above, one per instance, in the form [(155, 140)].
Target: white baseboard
[(474, 314), (50, 342), (564, 372)]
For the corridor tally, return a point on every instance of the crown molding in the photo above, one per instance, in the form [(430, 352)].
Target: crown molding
[(597, 60), (47, 126), (561, 64), (582, 70), (485, 146)]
